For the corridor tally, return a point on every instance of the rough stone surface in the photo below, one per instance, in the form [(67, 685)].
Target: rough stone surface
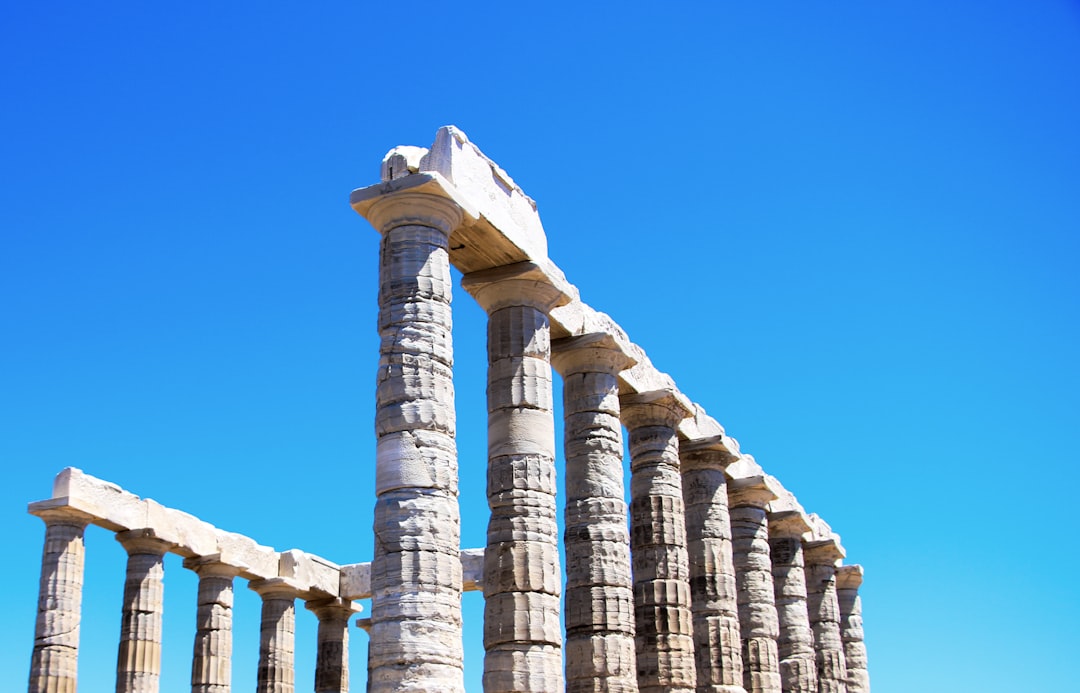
[(277, 636), (848, 580), (211, 662), (332, 654), (795, 643), (823, 605), (138, 666)]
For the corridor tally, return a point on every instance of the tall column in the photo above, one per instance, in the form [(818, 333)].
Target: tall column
[(795, 644), (599, 604), (758, 622), (821, 558), (54, 662), (664, 642), (332, 656), (522, 579), (211, 662), (138, 666), (415, 572), (848, 580), (277, 636), (713, 600)]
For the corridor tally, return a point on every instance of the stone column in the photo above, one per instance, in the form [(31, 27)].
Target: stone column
[(277, 636), (848, 580), (138, 665), (54, 662), (211, 663), (664, 642), (713, 601), (795, 644), (332, 656), (758, 623), (415, 572), (599, 611), (522, 579), (821, 558)]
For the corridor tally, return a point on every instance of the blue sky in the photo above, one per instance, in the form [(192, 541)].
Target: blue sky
[(849, 231)]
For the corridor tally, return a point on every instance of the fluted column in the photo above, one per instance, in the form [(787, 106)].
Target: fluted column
[(211, 662), (277, 636), (664, 641), (54, 662), (415, 572), (599, 611), (522, 579), (758, 623), (138, 666), (713, 597), (332, 656), (821, 558), (795, 644), (848, 580)]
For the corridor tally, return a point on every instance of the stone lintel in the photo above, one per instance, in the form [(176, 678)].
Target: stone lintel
[(753, 491), (317, 575), (788, 523), (849, 577), (823, 551), (541, 286), (595, 352), (355, 581), (654, 408)]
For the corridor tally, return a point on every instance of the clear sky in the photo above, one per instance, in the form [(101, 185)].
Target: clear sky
[(848, 230)]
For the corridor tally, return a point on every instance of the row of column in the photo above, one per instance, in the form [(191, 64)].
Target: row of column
[(712, 609), (53, 667)]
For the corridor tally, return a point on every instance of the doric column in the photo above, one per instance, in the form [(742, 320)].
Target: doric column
[(599, 612), (795, 644), (54, 663), (758, 624), (332, 656), (138, 665), (821, 558), (717, 647), (415, 572), (664, 641), (848, 580), (211, 662), (522, 580), (277, 636)]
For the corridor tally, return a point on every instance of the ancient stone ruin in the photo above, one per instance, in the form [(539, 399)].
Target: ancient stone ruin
[(713, 579)]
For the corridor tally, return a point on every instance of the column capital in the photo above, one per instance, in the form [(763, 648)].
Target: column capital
[(824, 551), (144, 541), (665, 407), (713, 452), (275, 588), (212, 566), (426, 199), (849, 577), (519, 284), (791, 524), (596, 352), (751, 491), (57, 511)]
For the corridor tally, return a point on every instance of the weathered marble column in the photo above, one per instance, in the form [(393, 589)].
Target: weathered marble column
[(713, 597), (821, 558), (664, 641), (795, 644), (522, 579), (138, 666), (415, 572), (599, 612), (277, 636), (211, 663), (848, 580), (332, 656), (54, 662), (758, 623)]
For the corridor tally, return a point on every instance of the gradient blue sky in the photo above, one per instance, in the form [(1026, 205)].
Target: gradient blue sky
[(849, 230)]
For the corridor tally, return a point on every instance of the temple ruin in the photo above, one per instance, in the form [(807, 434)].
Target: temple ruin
[(714, 578)]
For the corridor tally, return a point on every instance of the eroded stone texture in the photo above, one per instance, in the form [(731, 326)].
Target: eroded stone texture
[(138, 666), (664, 635), (795, 643), (848, 580), (713, 596), (277, 636), (821, 558), (758, 621), (54, 662), (211, 663), (522, 579), (599, 600), (332, 655), (415, 572)]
